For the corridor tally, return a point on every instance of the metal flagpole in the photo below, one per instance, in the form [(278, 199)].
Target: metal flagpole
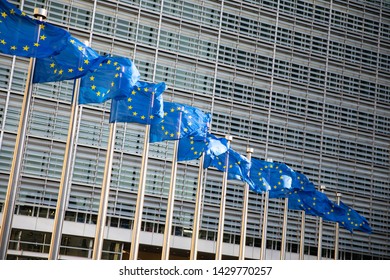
[(170, 205), (284, 231), (319, 253), (336, 241), (65, 183), (218, 251), (140, 198), (244, 220), (104, 195), (302, 240), (198, 206), (10, 198), (265, 223)]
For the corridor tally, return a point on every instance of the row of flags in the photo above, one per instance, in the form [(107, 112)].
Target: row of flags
[(60, 56)]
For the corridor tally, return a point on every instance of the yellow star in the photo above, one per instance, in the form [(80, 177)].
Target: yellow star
[(70, 70), (12, 12), (118, 68), (133, 92), (142, 117), (81, 69), (151, 117), (135, 113), (4, 14), (112, 84), (55, 71), (13, 48), (36, 44), (52, 65), (43, 37), (72, 41), (26, 48), (146, 89), (108, 61), (3, 42), (86, 61), (130, 107), (98, 93), (80, 48), (92, 78), (60, 72), (115, 63), (172, 110), (129, 99), (42, 26), (116, 75), (93, 87), (172, 135)]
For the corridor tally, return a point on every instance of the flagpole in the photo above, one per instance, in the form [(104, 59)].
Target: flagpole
[(244, 220), (170, 205), (10, 198), (336, 241), (218, 251), (302, 239), (319, 253), (65, 182), (104, 195), (134, 246), (284, 230), (265, 223), (198, 207)]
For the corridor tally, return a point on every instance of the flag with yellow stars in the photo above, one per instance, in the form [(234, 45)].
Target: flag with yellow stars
[(143, 104), (74, 61), (21, 35), (114, 77), (315, 203), (277, 178), (193, 147), (352, 220), (179, 121), (237, 166)]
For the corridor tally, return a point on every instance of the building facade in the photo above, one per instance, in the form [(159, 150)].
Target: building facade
[(304, 82)]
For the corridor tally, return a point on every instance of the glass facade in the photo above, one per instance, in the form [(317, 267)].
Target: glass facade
[(305, 82)]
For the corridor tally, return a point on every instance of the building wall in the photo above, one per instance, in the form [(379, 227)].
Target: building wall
[(302, 82)]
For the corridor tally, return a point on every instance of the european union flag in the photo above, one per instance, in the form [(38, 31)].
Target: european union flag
[(180, 121), (73, 62), (20, 35), (236, 165), (194, 146), (114, 77), (277, 178), (352, 220), (315, 203), (143, 104)]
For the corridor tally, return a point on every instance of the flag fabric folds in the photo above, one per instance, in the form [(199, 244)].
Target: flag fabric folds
[(143, 104), (113, 77), (352, 220), (277, 178), (180, 121), (315, 203), (238, 166), (21, 35), (193, 147), (73, 62)]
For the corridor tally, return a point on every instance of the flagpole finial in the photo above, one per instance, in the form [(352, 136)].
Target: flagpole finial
[(322, 187), (338, 194), (249, 150), (269, 160), (40, 13), (229, 137)]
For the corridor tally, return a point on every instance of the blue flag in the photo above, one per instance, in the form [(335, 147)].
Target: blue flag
[(352, 220), (73, 62), (315, 203), (194, 146), (114, 77), (180, 121), (236, 165), (20, 35), (277, 178), (143, 104)]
